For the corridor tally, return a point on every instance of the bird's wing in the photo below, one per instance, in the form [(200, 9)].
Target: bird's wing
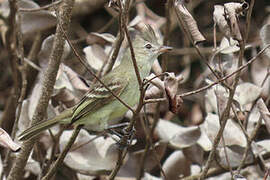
[(97, 97)]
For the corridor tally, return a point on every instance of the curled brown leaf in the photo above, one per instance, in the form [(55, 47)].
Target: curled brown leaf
[(171, 88), (189, 22)]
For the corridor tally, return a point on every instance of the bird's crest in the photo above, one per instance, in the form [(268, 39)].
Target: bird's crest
[(147, 33)]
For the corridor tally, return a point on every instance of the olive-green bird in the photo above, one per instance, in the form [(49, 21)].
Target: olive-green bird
[(99, 107)]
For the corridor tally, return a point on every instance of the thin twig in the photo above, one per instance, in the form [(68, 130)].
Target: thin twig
[(203, 58), (133, 58), (108, 65), (247, 148), (228, 76), (225, 114), (148, 136), (62, 156)]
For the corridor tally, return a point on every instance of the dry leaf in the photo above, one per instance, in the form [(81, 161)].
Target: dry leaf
[(31, 21), (232, 11), (7, 142), (265, 37), (102, 39), (264, 113), (220, 20), (171, 87), (93, 158), (153, 156), (235, 154), (228, 46), (233, 134), (190, 23), (176, 165)]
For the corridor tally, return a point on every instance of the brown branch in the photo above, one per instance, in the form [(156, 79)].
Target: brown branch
[(47, 88), (22, 69)]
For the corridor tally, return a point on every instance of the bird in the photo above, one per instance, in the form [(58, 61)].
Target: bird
[(99, 107)]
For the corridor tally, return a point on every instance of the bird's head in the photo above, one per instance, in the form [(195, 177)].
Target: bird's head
[(146, 45)]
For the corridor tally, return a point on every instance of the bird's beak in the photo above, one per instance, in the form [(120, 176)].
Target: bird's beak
[(164, 49)]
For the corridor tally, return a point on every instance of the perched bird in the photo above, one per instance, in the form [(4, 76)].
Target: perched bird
[(98, 107)]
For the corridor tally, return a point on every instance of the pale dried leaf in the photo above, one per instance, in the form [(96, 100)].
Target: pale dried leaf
[(7, 142), (153, 156), (190, 23), (24, 120), (75, 80), (147, 16), (176, 165), (219, 19), (31, 21), (195, 154), (263, 146), (265, 37), (176, 135), (259, 70), (166, 130), (264, 113), (235, 154), (204, 142), (102, 39), (186, 137), (62, 80), (233, 135), (45, 51), (93, 158), (228, 46), (95, 56), (148, 176), (211, 99), (246, 93), (85, 177), (33, 166), (232, 11)]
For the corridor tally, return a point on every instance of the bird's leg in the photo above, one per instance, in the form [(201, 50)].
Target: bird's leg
[(123, 133)]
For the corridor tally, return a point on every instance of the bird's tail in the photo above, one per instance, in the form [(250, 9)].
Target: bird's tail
[(41, 126)]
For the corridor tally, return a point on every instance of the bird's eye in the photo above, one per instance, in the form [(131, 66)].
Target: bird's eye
[(148, 46)]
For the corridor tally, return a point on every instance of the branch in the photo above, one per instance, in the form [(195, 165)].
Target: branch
[(228, 76), (62, 156), (47, 88)]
